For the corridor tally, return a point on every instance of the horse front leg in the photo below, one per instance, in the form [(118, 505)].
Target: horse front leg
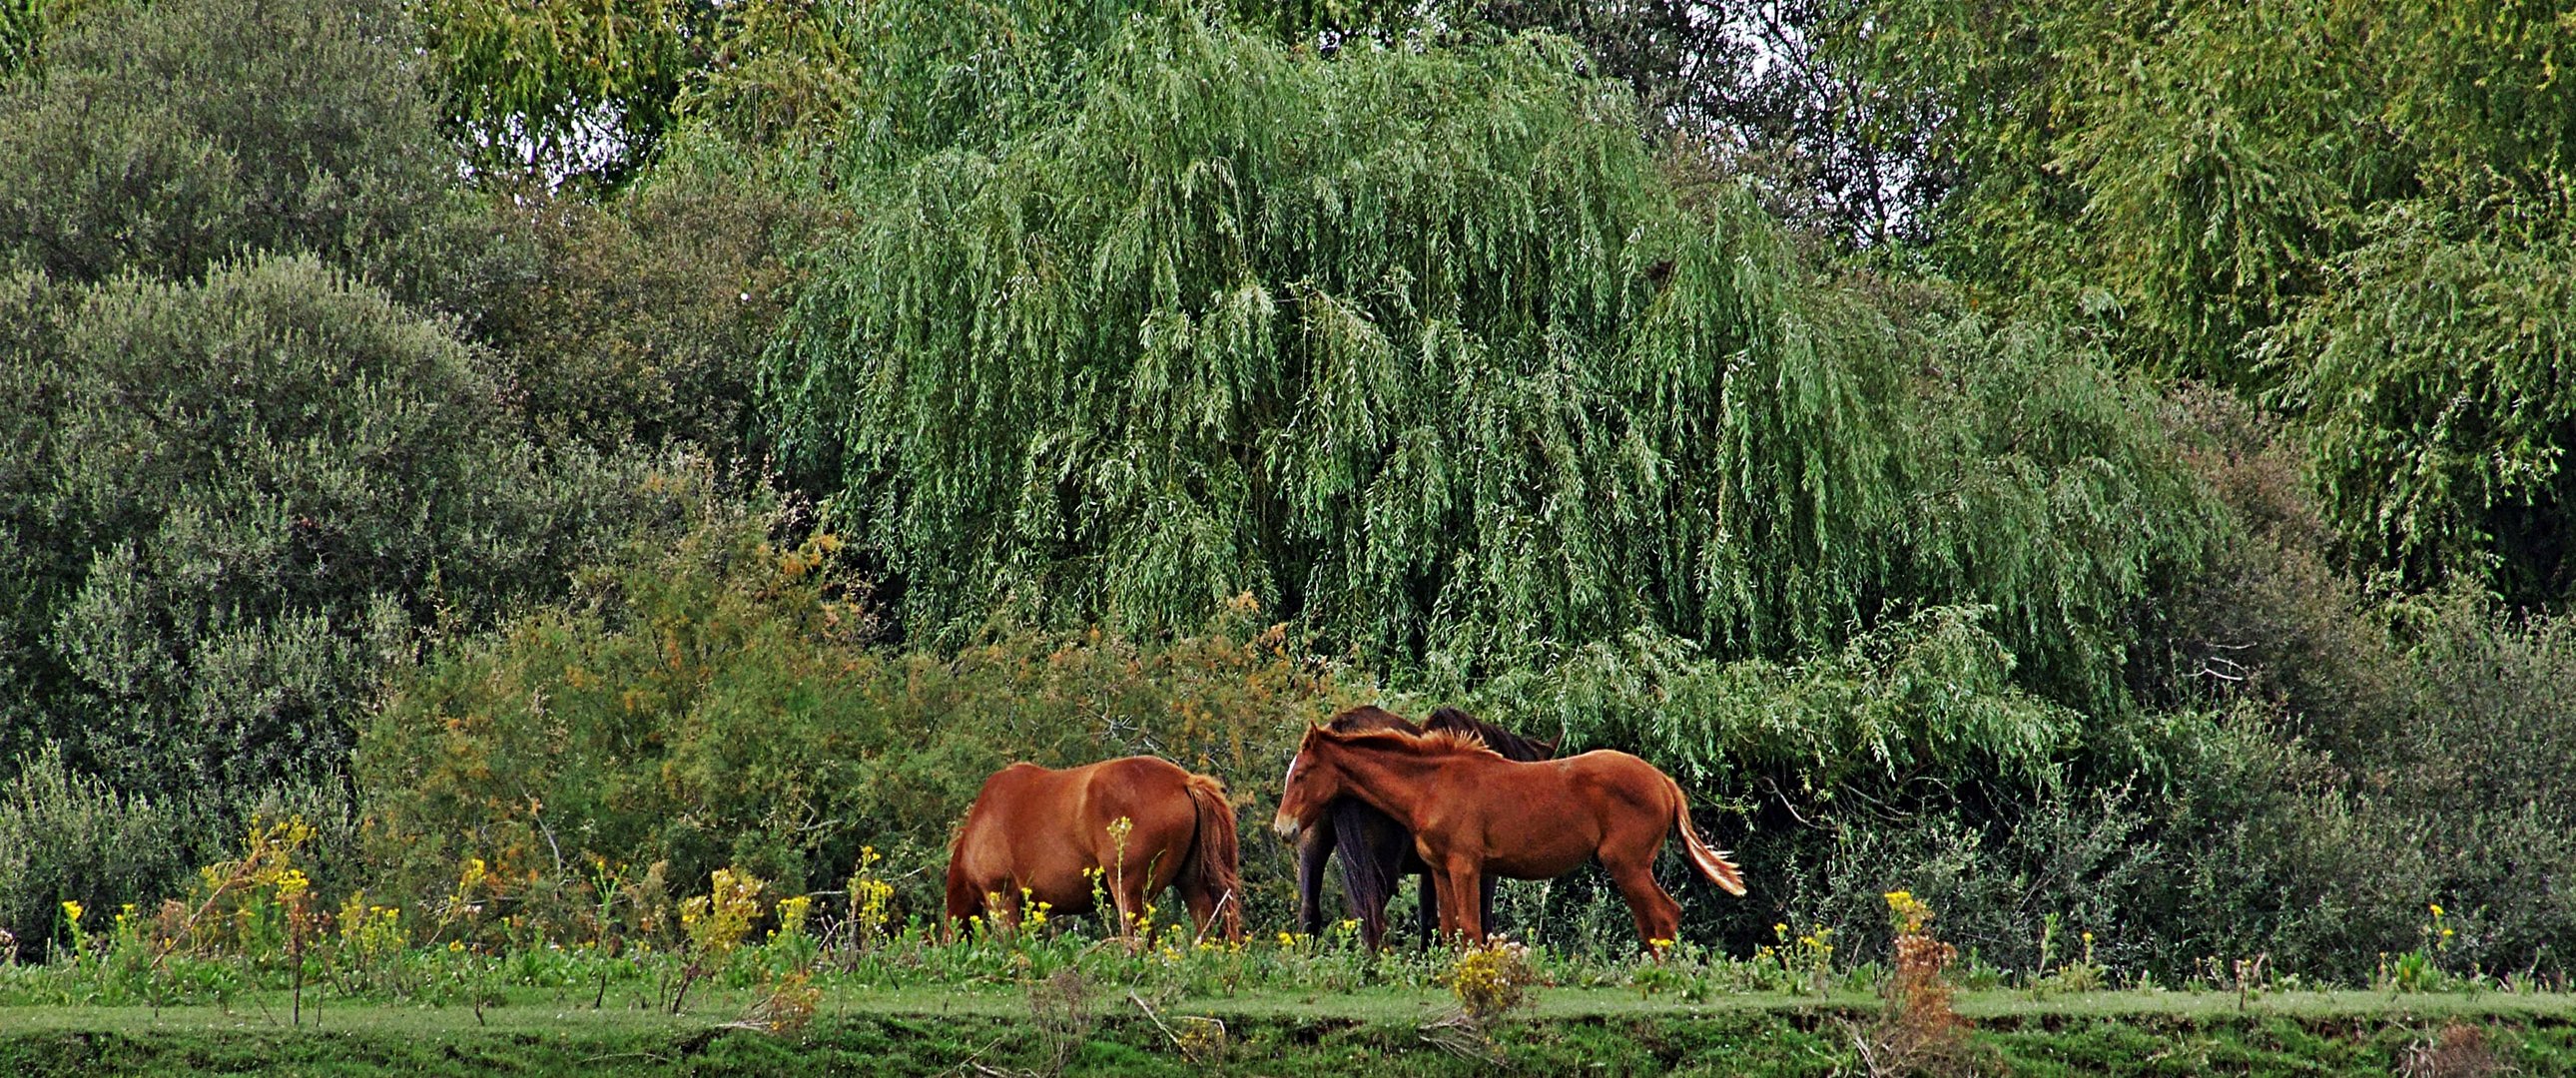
[(1314, 853), (1426, 913), (1458, 894)]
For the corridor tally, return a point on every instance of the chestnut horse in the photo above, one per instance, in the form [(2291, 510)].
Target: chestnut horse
[(1474, 815), (1039, 831), (1376, 851)]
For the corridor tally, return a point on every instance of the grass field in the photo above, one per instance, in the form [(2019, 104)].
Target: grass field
[(1371, 1031)]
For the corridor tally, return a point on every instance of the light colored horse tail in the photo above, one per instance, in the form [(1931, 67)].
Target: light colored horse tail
[(1213, 865), (1711, 863)]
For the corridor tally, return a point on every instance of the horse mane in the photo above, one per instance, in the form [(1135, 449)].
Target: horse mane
[(1425, 743), (1447, 728), (1511, 745), (1368, 718)]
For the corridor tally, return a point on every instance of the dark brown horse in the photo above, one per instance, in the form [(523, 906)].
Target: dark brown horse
[(1475, 815), (1034, 833), (1376, 851)]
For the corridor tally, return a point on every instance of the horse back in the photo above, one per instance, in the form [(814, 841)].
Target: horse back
[(1072, 802), (1620, 776)]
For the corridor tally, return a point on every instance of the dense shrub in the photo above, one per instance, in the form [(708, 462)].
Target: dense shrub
[(642, 318), (164, 137), (236, 502), (65, 836), (719, 703)]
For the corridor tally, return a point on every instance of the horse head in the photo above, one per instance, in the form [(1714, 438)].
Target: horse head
[(1314, 779)]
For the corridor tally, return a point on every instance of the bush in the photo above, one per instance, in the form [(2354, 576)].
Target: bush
[(164, 137), (642, 318), (722, 702), (239, 500), (66, 836)]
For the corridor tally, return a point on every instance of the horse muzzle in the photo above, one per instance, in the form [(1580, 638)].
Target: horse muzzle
[(1284, 825)]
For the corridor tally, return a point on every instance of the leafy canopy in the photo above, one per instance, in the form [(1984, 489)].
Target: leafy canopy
[(1425, 349), (2356, 211)]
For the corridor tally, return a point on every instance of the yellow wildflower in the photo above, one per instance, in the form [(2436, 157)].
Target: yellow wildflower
[(72, 910)]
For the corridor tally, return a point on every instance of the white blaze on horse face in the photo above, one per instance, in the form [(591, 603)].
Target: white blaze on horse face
[(1284, 824)]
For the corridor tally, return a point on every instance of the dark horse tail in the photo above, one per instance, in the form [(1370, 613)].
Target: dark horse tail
[(1212, 865)]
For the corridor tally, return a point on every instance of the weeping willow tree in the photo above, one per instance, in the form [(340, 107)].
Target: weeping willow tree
[(1423, 348)]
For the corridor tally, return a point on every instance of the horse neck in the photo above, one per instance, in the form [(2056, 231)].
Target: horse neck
[(1378, 776)]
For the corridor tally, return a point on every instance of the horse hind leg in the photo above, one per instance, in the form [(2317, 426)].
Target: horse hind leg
[(1129, 891), (1204, 905), (1658, 917)]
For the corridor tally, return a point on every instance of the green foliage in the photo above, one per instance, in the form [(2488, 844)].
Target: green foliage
[(238, 502), (2353, 208), (868, 85), (641, 319), (849, 89), (162, 138), (2488, 759), (558, 88), (1423, 347), (1927, 699), (2432, 371), (717, 703), (66, 836), (26, 26)]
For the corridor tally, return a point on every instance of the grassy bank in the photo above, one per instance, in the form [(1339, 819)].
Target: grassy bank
[(1101, 1029)]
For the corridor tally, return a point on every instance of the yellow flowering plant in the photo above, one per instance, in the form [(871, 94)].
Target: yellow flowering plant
[(715, 924), (80, 940), (243, 905), (871, 902), (2420, 970), (1490, 980)]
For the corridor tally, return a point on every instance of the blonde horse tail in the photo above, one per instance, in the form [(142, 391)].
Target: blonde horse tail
[(1711, 863), (1215, 859)]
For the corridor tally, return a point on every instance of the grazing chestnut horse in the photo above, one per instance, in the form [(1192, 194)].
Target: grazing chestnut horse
[(1474, 815), (1038, 831), (1376, 851)]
